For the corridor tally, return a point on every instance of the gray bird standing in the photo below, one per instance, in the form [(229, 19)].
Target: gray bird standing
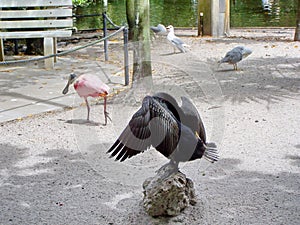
[(236, 55), (176, 41)]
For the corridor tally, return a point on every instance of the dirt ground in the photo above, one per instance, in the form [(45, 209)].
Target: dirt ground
[(54, 168)]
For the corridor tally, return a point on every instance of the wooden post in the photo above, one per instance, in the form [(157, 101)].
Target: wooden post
[(215, 17), (204, 6), (130, 4), (297, 29), (142, 52), (227, 18), (1, 50)]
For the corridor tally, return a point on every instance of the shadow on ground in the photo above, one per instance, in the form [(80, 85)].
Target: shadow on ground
[(59, 187)]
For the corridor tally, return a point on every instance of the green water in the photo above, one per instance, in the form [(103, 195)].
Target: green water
[(245, 13), (183, 13)]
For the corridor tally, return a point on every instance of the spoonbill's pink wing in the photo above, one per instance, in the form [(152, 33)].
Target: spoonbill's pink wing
[(89, 85)]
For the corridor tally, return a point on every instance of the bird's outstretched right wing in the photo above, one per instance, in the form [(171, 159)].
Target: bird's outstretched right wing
[(152, 125)]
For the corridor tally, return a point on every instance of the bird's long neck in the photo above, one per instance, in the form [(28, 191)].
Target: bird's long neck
[(199, 150)]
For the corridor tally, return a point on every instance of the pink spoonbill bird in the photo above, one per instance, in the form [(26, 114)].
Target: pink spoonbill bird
[(89, 85)]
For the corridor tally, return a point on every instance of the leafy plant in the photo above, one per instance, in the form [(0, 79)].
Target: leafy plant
[(82, 2)]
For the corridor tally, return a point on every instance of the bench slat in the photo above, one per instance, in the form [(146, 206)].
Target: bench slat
[(46, 13), (34, 3), (35, 34), (21, 24)]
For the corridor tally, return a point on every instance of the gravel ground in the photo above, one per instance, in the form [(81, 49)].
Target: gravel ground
[(54, 170)]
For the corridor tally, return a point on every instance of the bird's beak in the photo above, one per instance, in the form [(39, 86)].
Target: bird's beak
[(66, 89)]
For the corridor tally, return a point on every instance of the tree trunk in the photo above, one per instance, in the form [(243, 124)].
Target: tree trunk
[(130, 18), (297, 30), (141, 41)]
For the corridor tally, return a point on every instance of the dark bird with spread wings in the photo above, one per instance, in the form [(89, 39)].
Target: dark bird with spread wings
[(176, 132)]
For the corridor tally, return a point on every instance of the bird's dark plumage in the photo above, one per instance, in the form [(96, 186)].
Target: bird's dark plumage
[(161, 123), (192, 118)]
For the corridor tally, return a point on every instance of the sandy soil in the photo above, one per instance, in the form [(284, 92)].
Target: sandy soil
[(54, 169)]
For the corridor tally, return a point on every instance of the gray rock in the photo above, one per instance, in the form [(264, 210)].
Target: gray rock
[(168, 196)]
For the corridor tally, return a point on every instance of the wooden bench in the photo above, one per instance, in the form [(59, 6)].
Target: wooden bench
[(48, 19)]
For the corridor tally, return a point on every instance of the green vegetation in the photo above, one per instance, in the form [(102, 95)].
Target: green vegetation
[(82, 2), (183, 13)]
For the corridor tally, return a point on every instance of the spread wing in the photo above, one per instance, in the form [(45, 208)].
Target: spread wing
[(151, 125), (192, 118)]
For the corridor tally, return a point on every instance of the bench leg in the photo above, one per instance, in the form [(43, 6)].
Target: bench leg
[(48, 50), (55, 48), (1, 50)]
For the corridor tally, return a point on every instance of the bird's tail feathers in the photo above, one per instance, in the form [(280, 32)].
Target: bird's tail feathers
[(211, 145), (211, 152)]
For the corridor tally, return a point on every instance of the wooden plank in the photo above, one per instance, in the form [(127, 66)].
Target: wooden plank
[(34, 3), (21, 24), (205, 8), (35, 34), (46, 13)]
